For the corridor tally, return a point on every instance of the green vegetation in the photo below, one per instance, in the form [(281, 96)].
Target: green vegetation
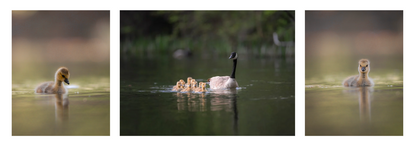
[(248, 32)]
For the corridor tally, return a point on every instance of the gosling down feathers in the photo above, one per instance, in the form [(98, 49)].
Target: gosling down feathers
[(201, 88), (178, 86), (362, 79), (61, 75), (222, 82)]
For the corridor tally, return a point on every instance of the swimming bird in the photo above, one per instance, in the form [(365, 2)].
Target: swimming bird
[(187, 88), (177, 87), (201, 87), (362, 79), (220, 82), (188, 80), (61, 75)]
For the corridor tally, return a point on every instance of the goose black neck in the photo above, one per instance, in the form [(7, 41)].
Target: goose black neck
[(234, 67)]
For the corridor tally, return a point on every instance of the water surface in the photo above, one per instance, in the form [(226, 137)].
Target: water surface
[(262, 105), (85, 110), (331, 109)]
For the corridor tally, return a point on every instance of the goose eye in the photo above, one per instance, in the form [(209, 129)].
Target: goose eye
[(366, 65), (63, 76)]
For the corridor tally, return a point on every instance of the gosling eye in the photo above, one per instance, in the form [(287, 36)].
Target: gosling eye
[(366, 65), (63, 76)]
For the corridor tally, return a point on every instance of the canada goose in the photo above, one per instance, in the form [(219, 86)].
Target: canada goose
[(219, 82), (61, 75), (177, 87), (362, 79), (201, 87)]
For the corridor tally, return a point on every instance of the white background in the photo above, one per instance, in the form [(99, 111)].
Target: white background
[(299, 141)]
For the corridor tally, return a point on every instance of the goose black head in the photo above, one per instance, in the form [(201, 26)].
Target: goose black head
[(233, 55)]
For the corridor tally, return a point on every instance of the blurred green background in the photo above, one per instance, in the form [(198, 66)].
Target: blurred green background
[(146, 33)]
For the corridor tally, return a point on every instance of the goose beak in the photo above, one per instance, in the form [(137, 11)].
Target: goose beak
[(363, 69), (66, 81)]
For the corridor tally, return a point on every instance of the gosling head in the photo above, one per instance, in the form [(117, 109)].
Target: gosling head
[(62, 74), (233, 56), (178, 84), (200, 84), (193, 83), (364, 66), (189, 80)]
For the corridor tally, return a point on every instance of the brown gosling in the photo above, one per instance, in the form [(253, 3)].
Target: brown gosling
[(61, 75), (201, 87), (177, 87), (194, 84), (189, 79), (187, 88), (182, 83), (220, 82), (362, 79)]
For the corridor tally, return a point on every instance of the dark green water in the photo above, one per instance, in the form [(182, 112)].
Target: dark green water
[(331, 109), (85, 110), (262, 105)]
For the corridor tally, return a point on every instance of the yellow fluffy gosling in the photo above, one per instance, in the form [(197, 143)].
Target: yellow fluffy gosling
[(362, 79), (61, 75)]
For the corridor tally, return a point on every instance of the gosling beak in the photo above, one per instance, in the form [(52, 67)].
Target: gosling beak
[(363, 69), (66, 81)]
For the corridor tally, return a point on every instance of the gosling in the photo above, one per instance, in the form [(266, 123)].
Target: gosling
[(362, 79), (61, 75), (177, 87), (189, 87), (201, 88)]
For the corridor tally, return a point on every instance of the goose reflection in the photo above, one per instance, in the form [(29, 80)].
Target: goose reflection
[(214, 100)]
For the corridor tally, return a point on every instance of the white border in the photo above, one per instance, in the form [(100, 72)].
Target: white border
[(299, 141)]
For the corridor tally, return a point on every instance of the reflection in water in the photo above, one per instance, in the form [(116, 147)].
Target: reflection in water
[(61, 108), (219, 100), (61, 112), (364, 100), (365, 104)]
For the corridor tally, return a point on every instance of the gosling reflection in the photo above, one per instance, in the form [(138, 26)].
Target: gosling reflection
[(61, 108), (191, 102), (365, 104)]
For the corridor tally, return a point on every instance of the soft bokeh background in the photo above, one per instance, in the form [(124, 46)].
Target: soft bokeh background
[(335, 41), (43, 41), (151, 33), (160, 47)]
